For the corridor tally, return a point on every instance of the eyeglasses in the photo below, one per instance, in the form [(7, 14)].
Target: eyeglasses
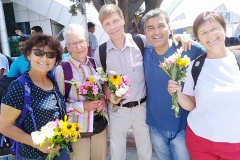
[(77, 43), (213, 30), (41, 53)]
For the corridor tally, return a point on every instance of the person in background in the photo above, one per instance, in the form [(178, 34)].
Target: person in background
[(213, 121), (4, 66), (166, 131), (90, 146), (48, 104), (232, 41), (21, 64), (93, 43), (34, 30), (65, 55)]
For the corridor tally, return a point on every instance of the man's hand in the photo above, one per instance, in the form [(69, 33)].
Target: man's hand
[(91, 105), (18, 32), (102, 104), (110, 95), (184, 39)]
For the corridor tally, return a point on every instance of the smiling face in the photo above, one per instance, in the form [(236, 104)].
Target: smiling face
[(41, 64), (77, 45), (114, 26), (212, 35), (157, 32)]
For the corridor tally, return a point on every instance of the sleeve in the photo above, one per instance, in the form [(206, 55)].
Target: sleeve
[(74, 107), (3, 62), (14, 96), (14, 70), (189, 83)]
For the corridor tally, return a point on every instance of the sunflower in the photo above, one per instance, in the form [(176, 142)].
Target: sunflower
[(115, 80)]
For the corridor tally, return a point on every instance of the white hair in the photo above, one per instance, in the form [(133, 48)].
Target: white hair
[(73, 29)]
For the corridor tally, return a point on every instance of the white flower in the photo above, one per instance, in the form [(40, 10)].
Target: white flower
[(96, 77), (113, 72), (122, 91), (99, 69), (180, 50), (47, 131), (37, 137)]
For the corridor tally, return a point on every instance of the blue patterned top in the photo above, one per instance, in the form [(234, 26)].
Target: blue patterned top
[(47, 106)]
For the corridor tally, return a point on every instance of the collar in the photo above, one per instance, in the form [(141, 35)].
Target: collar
[(77, 63), (128, 42)]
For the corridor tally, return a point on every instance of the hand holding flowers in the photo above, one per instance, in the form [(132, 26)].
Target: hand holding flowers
[(92, 92), (58, 134), (175, 67), (118, 84)]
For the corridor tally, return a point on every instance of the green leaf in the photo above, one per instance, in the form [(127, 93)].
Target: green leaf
[(115, 97)]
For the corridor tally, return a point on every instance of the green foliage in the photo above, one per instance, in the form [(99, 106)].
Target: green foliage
[(77, 6), (14, 49)]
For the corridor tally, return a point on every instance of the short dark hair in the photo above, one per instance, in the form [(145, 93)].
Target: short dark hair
[(23, 38), (38, 29), (90, 25), (41, 40), (155, 13)]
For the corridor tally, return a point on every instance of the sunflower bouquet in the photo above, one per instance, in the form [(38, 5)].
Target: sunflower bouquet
[(58, 133), (118, 84), (175, 66)]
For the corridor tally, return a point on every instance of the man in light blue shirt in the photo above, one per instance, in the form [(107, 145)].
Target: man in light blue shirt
[(92, 38), (21, 64)]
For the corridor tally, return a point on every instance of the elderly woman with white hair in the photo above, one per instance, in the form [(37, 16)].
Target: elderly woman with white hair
[(89, 146)]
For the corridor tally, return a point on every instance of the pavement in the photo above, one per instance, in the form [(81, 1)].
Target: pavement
[(131, 150)]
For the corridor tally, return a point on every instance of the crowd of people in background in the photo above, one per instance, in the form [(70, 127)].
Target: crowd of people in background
[(207, 126)]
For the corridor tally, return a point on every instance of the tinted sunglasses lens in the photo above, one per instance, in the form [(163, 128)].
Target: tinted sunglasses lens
[(50, 54), (38, 52)]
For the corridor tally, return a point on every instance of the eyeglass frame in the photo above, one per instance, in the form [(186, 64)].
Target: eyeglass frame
[(81, 42), (212, 30)]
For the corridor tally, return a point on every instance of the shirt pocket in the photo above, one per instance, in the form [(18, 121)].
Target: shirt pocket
[(137, 73)]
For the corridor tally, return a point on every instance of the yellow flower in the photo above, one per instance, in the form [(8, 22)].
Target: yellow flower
[(91, 79), (183, 61), (69, 130), (115, 80)]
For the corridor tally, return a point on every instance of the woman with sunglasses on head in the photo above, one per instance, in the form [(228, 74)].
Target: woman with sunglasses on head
[(43, 53), (213, 131)]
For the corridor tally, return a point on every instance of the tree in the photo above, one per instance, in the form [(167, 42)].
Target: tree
[(131, 9)]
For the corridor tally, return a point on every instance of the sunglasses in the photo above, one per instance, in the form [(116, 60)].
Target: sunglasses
[(41, 53)]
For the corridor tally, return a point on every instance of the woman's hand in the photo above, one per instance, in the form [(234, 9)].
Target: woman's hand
[(91, 105), (46, 148), (173, 87)]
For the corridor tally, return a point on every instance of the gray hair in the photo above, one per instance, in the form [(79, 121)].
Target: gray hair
[(73, 29), (154, 13)]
